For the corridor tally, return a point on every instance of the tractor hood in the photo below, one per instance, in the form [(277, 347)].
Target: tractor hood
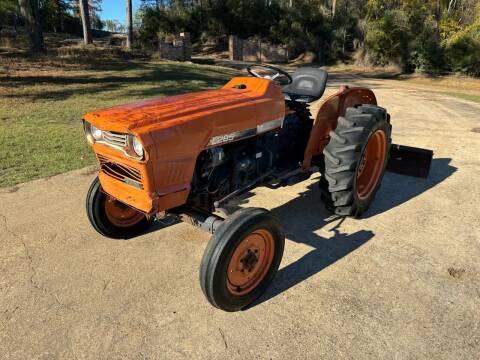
[(173, 110)]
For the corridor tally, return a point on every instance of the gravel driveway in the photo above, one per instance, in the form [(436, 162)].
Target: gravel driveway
[(403, 282)]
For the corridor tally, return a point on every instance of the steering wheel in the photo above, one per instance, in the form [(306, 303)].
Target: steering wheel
[(272, 73)]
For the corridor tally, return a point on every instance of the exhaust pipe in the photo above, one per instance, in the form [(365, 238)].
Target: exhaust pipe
[(201, 219)]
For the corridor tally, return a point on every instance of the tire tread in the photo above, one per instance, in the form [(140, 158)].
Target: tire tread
[(343, 153)]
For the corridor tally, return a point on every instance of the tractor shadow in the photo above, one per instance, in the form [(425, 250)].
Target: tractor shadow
[(303, 216), (397, 189)]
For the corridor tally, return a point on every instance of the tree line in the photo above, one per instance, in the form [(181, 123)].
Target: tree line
[(427, 35)]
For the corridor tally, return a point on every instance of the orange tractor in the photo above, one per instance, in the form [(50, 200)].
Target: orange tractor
[(188, 156)]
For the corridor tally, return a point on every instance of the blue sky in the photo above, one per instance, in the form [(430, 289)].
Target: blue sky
[(115, 9)]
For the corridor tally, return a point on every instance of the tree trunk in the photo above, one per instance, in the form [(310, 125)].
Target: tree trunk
[(15, 23), (334, 8), (451, 5), (129, 25), (85, 15), (30, 13)]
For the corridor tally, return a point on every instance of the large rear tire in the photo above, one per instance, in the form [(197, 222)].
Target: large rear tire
[(355, 160), (241, 259), (110, 217)]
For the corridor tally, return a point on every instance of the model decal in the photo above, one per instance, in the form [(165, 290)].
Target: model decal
[(237, 135)]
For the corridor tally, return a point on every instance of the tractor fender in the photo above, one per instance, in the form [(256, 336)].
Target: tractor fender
[(329, 112)]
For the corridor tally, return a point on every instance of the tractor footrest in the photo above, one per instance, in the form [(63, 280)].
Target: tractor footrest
[(410, 161), (287, 178), (295, 179)]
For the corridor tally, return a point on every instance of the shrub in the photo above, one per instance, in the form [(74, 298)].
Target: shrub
[(387, 38), (426, 53), (463, 50)]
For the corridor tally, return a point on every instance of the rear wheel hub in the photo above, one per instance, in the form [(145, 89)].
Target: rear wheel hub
[(371, 165)]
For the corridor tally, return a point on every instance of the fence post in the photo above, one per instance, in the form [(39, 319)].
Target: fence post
[(235, 48), (187, 46)]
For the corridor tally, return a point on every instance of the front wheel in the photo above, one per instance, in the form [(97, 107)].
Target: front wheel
[(112, 218), (241, 259), (355, 160)]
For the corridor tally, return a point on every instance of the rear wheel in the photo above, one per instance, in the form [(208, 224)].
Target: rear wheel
[(241, 259), (355, 160), (112, 218)]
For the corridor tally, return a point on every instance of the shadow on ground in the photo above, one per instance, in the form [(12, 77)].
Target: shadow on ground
[(305, 215), (302, 217), (397, 189), (158, 79)]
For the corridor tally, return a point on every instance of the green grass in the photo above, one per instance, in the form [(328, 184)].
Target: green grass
[(40, 128), (469, 97)]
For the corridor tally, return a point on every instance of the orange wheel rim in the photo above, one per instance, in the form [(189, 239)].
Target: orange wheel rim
[(121, 215), (371, 164), (250, 262)]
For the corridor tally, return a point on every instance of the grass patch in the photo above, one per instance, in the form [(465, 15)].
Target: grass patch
[(447, 83), (469, 97), (40, 111)]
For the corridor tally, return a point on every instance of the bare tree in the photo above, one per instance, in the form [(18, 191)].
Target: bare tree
[(334, 8), (129, 25), (85, 15), (30, 13)]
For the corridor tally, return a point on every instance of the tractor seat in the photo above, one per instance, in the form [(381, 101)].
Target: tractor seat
[(308, 84)]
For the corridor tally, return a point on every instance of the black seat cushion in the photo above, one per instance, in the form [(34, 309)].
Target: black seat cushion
[(308, 85)]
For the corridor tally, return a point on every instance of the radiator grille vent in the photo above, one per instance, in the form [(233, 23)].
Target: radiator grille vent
[(124, 173), (114, 139)]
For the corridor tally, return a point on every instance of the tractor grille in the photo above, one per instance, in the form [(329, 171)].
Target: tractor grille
[(124, 173), (115, 140)]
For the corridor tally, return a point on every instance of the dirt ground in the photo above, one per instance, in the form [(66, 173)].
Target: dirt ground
[(401, 283)]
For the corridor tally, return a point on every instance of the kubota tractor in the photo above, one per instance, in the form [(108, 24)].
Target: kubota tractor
[(187, 156)]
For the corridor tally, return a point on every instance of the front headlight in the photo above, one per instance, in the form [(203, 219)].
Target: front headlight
[(96, 132), (92, 133), (137, 147), (129, 144)]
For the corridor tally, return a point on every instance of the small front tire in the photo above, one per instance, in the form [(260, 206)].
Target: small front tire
[(112, 218), (241, 259)]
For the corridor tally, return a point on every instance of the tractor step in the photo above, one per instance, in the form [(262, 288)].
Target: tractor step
[(289, 178), (410, 161), (295, 179)]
